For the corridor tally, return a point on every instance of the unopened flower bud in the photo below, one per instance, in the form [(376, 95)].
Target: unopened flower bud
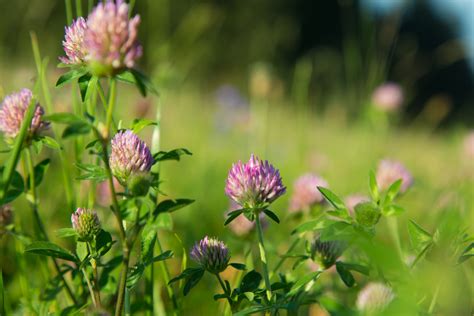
[(367, 214), (139, 184), (86, 223), (211, 254), (325, 253)]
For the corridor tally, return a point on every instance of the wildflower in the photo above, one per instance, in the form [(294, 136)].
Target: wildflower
[(13, 111), (254, 184), (387, 97), (111, 38), (130, 157), (306, 193), (374, 298), (212, 254), (390, 171), (353, 200), (73, 43), (325, 253), (86, 223), (6, 217)]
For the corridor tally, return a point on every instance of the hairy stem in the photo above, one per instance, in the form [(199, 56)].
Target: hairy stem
[(225, 290), (283, 259), (263, 257)]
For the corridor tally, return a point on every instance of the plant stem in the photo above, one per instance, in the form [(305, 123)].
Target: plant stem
[(167, 277), (435, 298), (224, 289), (110, 107), (115, 206), (39, 222), (263, 257), (95, 274), (90, 287), (283, 259), (393, 227)]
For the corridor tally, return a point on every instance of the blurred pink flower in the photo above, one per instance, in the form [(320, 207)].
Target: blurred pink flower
[(390, 171), (387, 97), (374, 297), (103, 194), (111, 36), (306, 193)]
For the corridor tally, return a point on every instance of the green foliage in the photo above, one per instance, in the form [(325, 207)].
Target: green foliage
[(46, 248)]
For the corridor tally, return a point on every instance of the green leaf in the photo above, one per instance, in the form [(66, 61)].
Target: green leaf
[(355, 267), (66, 232), (76, 129), (192, 281), (174, 154), (64, 118), (103, 243), (135, 275), (164, 256), (250, 282), (171, 206), (139, 124), (303, 281), (345, 274), (39, 171), (392, 210), (81, 251), (91, 172), (138, 79), (338, 231), (84, 83), (332, 198), (148, 239), (419, 237), (47, 248), (164, 221), (467, 253), (392, 191), (186, 273), (70, 75), (272, 215), (238, 266), (342, 213), (233, 215), (312, 225), (50, 142), (373, 188)]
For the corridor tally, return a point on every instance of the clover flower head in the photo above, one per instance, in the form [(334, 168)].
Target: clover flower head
[(130, 156), (211, 254), (387, 97), (306, 193), (111, 37), (13, 111), (390, 171), (73, 43), (325, 253), (254, 184), (86, 223), (374, 298)]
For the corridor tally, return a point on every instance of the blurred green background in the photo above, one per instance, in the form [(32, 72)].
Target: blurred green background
[(291, 81)]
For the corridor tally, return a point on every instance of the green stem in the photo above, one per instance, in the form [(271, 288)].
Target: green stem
[(68, 11), (167, 277), (90, 287), (110, 106), (78, 8), (434, 299), (225, 290), (283, 259), (393, 227), (263, 257)]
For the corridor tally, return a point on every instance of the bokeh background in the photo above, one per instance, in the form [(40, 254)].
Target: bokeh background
[(292, 81)]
